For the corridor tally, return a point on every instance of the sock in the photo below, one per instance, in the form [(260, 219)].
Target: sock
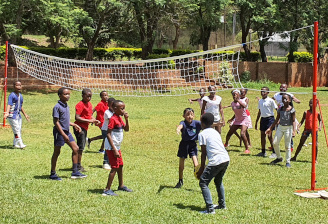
[(181, 181), (52, 172), (75, 169)]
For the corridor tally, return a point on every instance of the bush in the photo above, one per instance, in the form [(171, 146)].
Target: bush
[(255, 56), (161, 51), (245, 76), (303, 57), (182, 52), (160, 64)]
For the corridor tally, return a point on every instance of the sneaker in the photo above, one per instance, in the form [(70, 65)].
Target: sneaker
[(179, 184), (220, 207), (261, 154), (247, 151), (207, 212), (78, 175), (124, 188), (101, 151), (278, 160), (109, 193), (88, 142), (288, 165), (54, 177), (106, 166), (81, 169), (273, 156)]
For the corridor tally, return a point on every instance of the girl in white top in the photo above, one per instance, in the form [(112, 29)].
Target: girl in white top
[(212, 104)]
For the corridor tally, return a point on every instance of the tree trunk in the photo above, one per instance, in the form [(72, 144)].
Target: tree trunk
[(177, 35), (262, 51)]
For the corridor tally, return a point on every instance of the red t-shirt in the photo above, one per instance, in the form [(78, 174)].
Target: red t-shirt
[(309, 119), (85, 112), (101, 108)]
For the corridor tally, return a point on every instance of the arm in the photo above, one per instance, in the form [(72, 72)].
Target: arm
[(93, 111), (320, 122), (302, 121), (294, 123), (26, 116), (269, 130), (111, 143), (231, 119), (179, 128), (203, 108), (202, 161), (83, 120), (191, 100), (127, 126), (222, 116), (242, 104), (60, 130), (257, 118), (296, 100), (7, 112), (226, 107), (75, 126)]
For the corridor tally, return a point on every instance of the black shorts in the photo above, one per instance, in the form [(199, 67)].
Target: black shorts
[(187, 148), (81, 138), (307, 132), (266, 123)]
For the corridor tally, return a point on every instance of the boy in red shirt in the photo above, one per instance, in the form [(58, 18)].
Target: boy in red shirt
[(83, 116), (101, 108)]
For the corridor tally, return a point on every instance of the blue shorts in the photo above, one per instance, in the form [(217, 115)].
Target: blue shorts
[(307, 132), (58, 138), (266, 123), (187, 148)]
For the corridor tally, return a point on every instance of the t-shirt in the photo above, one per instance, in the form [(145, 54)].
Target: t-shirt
[(200, 102), (107, 116), (117, 125), (212, 106), (190, 132), (216, 153), (85, 112), (286, 117), (278, 98), (309, 119), (16, 102), (267, 107), (61, 111), (101, 107)]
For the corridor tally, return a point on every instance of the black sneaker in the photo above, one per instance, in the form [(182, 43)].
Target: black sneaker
[(179, 184), (278, 160), (261, 154), (124, 188), (54, 177)]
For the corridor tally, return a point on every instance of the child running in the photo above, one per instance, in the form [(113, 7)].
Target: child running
[(15, 106), (212, 104), (241, 120), (108, 114), (218, 160), (101, 107), (83, 116), (189, 130), (202, 92), (62, 135), (286, 119), (308, 118), (113, 146), (266, 108)]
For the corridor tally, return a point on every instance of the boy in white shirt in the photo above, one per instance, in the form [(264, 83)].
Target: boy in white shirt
[(266, 108), (218, 160)]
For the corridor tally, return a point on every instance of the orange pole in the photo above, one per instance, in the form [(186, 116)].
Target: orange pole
[(314, 124), (5, 86), (323, 123)]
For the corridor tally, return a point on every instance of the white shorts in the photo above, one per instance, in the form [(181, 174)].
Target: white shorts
[(16, 125)]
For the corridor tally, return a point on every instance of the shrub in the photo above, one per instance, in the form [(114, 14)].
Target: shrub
[(245, 76), (303, 57), (182, 52), (255, 56)]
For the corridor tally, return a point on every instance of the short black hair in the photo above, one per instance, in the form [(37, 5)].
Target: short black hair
[(61, 90), (102, 93), (14, 84), (110, 100), (188, 109), (265, 87), (207, 119), (116, 102), (86, 90)]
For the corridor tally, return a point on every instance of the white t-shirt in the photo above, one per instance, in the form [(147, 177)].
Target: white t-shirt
[(108, 114), (216, 153), (278, 98), (212, 106), (267, 107)]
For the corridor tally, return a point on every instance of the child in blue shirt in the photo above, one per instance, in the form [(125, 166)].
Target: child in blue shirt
[(189, 130)]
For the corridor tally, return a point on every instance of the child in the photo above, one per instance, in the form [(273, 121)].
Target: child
[(104, 128), (189, 130), (266, 108), (286, 119), (212, 104), (308, 118), (15, 106), (199, 100), (113, 146), (218, 160), (101, 107), (83, 116), (61, 120), (241, 119), (244, 98)]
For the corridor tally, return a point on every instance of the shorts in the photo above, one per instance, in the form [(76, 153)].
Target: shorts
[(114, 162), (16, 125), (306, 133), (187, 148), (81, 138), (59, 139), (266, 123), (104, 133)]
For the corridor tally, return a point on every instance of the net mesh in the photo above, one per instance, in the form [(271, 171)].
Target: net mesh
[(171, 76)]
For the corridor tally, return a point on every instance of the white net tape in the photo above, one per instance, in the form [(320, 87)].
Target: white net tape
[(172, 76)]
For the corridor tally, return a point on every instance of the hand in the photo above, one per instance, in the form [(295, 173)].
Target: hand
[(126, 115), (258, 98), (293, 135), (319, 128), (6, 114), (222, 123), (66, 138), (77, 128), (116, 154), (178, 131), (229, 121), (190, 101), (200, 172), (96, 122), (268, 131), (27, 118)]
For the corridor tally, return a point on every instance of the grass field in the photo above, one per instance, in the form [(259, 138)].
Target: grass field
[(256, 192)]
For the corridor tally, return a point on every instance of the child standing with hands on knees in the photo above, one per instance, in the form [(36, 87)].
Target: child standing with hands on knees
[(308, 118), (218, 160), (15, 106), (286, 119), (212, 104), (189, 130), (113, 147)]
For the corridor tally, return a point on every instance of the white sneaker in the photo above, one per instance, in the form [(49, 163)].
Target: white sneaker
[(106, 166), (273, 156)]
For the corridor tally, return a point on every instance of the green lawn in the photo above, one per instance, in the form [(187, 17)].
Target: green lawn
[(256, 192)]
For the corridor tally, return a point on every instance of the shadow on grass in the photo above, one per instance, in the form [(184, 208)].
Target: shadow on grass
[(96, 166), (162, 187), (46, 177), (96, 191), (66, 169), (302, 161), (92, 152), (269, 164), (233, 150), (191, 207), (7, 147)]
